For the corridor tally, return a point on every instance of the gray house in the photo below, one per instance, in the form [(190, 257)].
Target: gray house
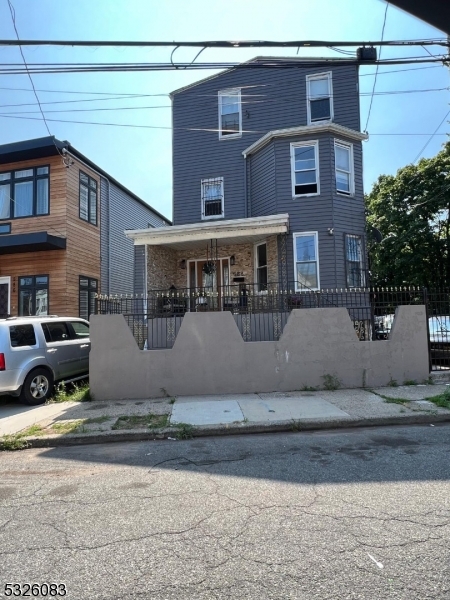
[(267, 182)]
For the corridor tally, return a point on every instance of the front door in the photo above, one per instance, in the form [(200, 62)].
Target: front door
[(208, 283), (4, 297)]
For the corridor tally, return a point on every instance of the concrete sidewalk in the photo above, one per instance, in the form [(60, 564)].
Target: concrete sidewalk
[(177, 418)]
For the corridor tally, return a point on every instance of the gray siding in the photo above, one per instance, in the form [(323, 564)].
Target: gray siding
[(120, 212), (139, 270), (261, 182), (272, 99)]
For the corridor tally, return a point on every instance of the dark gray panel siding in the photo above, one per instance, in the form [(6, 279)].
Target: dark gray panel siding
[(272, 99), (123, 213), (139, 270), (261, 182), (104, 236)]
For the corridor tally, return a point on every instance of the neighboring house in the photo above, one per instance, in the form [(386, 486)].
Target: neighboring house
[(61, 231), (267, 182)]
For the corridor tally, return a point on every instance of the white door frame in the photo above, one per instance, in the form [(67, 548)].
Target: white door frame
[(7, 280)]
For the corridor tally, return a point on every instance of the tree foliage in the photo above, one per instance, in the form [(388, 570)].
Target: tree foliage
[(412, 211)]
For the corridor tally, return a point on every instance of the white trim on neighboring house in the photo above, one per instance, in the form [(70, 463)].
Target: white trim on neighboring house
[(7, 280), (328, 75), (235, 229), (332, 128), (315, 144), (316, 248), (229, 92), (347, 146)]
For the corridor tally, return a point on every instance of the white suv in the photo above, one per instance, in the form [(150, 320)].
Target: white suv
[(35, 352)]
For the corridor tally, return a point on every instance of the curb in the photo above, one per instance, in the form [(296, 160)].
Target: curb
[(291, 426)]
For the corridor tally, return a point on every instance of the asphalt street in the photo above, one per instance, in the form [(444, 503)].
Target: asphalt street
[(352, 514)]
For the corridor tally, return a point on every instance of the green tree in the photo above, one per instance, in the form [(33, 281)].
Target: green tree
[(412, 211)]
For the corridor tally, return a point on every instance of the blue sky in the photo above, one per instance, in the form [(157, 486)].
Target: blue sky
[(140, 158)]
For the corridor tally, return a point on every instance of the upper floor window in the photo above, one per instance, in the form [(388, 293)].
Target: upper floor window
[(306, 261), (88, 198), (343, 156), (230, 114), (354, 261), (24, 193), (305, 168), (212, 198), (319, 90)]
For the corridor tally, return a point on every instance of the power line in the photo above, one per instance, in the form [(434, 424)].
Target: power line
[(376, 72), (168, 127), (228, 44), (13, 17), (431, 137)]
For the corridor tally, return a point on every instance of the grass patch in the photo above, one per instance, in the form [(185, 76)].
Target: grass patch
[(308, 388), (150, 421), (441, 400), (429, 381), (13, 442), (410, 382), (296, 425), (331, 382), (185, 431), (173, 400), (69, 427), (392, 383), (71, 393), (389, 400), (35, 429)]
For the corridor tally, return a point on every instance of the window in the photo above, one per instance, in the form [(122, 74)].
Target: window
[(33, 295), (305, 169), (24, 193), (343, 156), (306, 261), (5, 228), (56, 332), (22, 335), (319, 91), (230, 114), (261, 266), (212, 198), (88, 198), (87, 291), (81, 330), (354, 261)]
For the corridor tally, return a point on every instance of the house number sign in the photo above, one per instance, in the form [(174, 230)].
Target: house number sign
[(238, 273)]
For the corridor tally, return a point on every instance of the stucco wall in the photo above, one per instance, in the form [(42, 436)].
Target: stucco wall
[(210, 356)]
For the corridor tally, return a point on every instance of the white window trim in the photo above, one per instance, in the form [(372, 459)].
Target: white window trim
[(212, 180), (314, 143), (347, 146), (361, 260), (295, 235), (229, 136), (255, 252), (310, 78)]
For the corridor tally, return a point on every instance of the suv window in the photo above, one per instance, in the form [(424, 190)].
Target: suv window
[(55, 332), (81, 329), (22, 335)]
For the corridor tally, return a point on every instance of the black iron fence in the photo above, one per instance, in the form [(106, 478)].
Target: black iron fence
[(261, 311)]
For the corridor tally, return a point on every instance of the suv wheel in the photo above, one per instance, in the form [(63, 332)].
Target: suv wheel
[(37, 387)]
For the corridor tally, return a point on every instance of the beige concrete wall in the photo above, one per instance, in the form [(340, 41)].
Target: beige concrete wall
[(210, 356)]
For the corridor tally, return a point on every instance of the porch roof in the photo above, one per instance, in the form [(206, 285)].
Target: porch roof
[(235, 231)]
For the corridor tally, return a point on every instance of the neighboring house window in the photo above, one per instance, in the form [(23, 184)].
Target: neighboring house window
[(319, 90), (354, 261), (24, 193), (88, 198), (87, 291), (230, 114), (212, 198), (33, 295), (306, 261), (305, 168), (261, 267), (343, 155)]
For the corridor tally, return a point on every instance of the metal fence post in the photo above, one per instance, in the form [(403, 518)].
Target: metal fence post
[(425, 301)]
